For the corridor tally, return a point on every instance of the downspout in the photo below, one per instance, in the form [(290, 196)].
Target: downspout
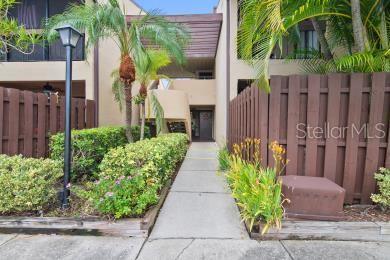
[(227, 67), (96, 82)]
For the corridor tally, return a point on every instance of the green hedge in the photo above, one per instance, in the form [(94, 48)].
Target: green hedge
[(27, 184), (131, 176), (89, 147)]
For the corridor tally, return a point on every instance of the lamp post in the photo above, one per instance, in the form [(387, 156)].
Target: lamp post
[(69, 37)]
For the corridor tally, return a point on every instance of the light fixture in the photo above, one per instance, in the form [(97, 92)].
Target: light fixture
[(48, 89), (69, 35)]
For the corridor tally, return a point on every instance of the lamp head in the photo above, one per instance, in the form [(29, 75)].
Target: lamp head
[(69, 35)]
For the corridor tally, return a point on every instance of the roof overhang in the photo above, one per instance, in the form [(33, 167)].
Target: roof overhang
[(204, 30)]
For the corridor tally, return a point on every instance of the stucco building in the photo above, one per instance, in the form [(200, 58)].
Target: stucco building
[(198, 93)]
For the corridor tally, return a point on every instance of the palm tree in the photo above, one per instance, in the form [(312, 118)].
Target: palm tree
[(361, 41), (146, 73), (102, 21), (265, 23)]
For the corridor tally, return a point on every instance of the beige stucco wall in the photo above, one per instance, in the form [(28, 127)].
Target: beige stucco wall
[(175, 104), (220, 79), (109, 113), (238, 68), (48, 71), (109, 59), (200, 92)]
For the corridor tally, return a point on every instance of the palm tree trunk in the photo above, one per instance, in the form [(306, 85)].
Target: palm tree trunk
[(321, 38), (142, 135), (357, 25), (129, 111)]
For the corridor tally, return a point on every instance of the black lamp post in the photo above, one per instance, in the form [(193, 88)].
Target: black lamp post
[(69, 37)]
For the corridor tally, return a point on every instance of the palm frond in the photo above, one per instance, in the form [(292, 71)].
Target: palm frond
[(118, 89), (158, 112), (369, 61)]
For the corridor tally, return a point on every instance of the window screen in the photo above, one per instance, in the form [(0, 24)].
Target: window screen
[(31, 13)]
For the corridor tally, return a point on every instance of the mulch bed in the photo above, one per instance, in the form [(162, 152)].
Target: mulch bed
[(356, 213)]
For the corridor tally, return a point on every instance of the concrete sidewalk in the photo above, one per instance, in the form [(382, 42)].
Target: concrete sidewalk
[(199, 220), (199, 204)]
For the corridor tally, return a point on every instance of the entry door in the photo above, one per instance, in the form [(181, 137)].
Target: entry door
[(206, 125)]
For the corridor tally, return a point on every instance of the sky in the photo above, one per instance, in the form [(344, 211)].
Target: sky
[(179, 6)]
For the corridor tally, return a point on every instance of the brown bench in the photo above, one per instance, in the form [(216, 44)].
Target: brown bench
[(312, 198)]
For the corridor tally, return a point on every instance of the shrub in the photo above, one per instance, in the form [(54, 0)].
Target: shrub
[(27, 184), (136, 132), (383, 179), (89, 147), (224, 159), (131, 176), (257, 189)]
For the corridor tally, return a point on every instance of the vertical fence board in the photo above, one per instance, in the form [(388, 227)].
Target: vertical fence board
[(252, 122), (274, 113), (53, 114), (28, 124), (41, 135), (248, 109), (73, 116), (313, 113), (352, 142), (334, 86), (1, 118), (292, 122), (81, 114), (62, 114), (263, 107), (387, 162), (90, 114), (13, 126), (372, 156)]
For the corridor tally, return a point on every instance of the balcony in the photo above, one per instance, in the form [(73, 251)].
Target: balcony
[(46, 52), (200, 92)]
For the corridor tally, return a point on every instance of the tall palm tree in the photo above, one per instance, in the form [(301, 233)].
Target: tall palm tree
[(102, 21), (361, 41), (264, 23), (145, 74)]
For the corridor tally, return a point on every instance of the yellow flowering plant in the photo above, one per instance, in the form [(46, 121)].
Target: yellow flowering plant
[(256, 187)]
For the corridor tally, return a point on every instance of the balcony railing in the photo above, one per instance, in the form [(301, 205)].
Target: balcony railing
[(45, 52)]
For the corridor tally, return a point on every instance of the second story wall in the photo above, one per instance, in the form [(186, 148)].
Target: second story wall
[(200, 92)]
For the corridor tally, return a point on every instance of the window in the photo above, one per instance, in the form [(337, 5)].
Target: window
[(308, 42), (205, 74), (31, 13)]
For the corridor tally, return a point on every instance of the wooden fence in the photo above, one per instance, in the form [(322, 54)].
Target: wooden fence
[(27, 119), (336, 126)]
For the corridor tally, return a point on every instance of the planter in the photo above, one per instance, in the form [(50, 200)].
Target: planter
[(94, 226), (325, 230)]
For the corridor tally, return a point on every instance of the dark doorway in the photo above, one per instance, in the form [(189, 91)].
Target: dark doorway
[(202, 125)]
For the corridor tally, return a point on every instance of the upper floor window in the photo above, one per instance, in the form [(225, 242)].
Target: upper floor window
[(32, 14)]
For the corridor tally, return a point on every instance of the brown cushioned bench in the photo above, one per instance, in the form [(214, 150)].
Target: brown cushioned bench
[(312, 198)]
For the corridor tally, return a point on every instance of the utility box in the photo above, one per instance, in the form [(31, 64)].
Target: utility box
[(312, 198)]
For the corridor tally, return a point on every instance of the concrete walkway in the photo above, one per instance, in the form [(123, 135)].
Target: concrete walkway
[(199, 220)]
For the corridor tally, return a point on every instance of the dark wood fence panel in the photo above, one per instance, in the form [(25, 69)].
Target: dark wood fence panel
[(28, 119), (334, 126)]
